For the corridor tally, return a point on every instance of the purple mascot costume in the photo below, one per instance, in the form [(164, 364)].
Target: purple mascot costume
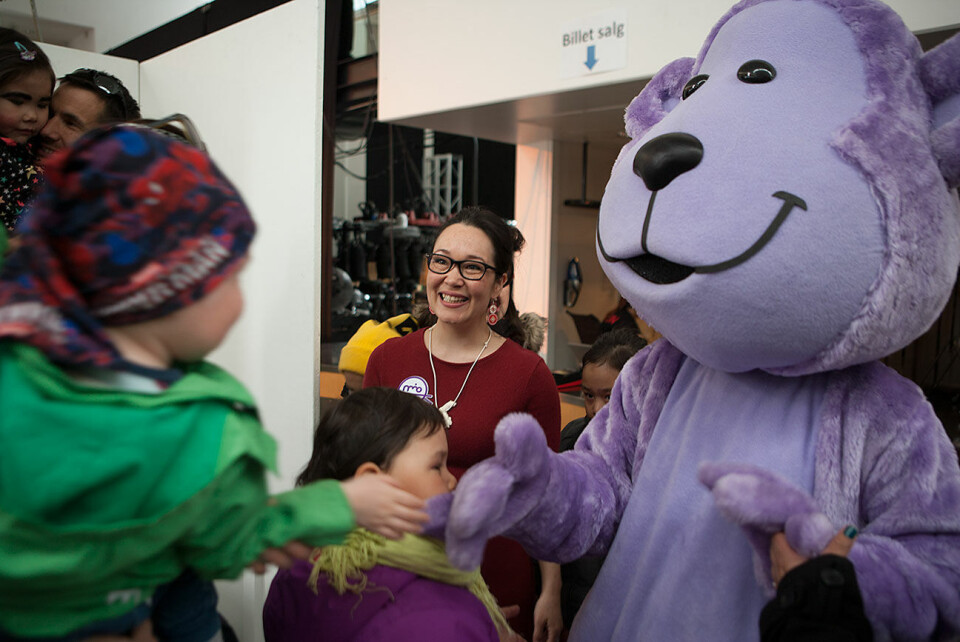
[(790, 203)]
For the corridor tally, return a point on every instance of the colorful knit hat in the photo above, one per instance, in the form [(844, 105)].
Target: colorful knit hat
[(130, 226), (354, 355)]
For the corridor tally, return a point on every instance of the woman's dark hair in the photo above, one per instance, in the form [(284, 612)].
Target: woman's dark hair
[(507, 241), (19, 56), (372, 425), (614, 348), (509, 326)]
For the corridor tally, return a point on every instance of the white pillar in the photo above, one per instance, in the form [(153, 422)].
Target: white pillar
[(534, 215)]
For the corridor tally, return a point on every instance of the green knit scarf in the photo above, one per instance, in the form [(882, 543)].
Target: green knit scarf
[(344, 566)]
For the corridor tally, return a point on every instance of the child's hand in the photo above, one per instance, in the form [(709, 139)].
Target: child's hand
[(510, 635), (547, 618), (383, 507), (783, 558), (281, 557)]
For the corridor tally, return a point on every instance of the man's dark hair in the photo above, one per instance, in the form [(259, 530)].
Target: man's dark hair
[(119, 104), (372, 425)]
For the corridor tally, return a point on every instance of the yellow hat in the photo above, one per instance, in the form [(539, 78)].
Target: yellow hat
[(354, 355)]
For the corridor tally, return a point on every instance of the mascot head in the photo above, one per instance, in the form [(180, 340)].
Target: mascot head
[(786, 200)]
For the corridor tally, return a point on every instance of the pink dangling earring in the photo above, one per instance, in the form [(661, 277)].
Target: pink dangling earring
[(492, 316)]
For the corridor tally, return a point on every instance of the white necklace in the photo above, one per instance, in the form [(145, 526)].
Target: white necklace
[(450, 405)]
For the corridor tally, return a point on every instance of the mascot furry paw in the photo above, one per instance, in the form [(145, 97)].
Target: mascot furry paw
[(791, 197)]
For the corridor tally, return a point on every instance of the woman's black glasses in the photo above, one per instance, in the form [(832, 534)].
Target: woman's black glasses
[(470, 270)]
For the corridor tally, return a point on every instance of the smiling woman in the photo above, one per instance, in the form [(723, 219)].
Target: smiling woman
[(476, 377), (26, 84)]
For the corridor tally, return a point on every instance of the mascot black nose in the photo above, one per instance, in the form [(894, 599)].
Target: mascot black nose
[(665, 157)]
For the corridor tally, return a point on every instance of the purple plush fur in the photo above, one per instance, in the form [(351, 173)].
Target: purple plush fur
[(890, 142), (502, 491), (489, 500), (940, 77), (881, 459), (658, 97), (883, 465), (438, 509), (764, 503)]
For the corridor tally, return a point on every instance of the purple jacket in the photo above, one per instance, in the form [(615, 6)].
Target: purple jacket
[(398, 606)]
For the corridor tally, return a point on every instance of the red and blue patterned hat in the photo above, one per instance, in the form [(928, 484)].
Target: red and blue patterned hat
[(131, 225)]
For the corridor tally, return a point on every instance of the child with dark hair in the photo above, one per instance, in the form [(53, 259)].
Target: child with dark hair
[(370, 588), (132, 471), (602, 363), (26, 85)]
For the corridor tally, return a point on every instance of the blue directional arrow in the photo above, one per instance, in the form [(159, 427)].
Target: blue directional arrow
[(591, 57)]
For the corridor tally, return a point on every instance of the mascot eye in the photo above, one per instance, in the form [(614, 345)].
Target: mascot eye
[(755, 72), (692, 85)]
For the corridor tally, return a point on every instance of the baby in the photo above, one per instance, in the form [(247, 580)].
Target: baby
[(126, 461), (26, 86)]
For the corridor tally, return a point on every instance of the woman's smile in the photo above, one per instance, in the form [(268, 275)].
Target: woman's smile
[(453, 298)]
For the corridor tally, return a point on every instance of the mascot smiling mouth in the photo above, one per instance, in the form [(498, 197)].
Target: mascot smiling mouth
[(659, 270)]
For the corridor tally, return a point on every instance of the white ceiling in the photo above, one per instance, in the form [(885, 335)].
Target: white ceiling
[(92, 25), (594, 114)]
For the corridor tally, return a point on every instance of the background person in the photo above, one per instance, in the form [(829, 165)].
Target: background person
[(354, 355), (602, 364), (26, 84), (84, 99), (477, 377)]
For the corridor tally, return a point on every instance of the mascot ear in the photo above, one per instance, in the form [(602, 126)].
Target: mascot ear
[(659, 97), (940, 74)]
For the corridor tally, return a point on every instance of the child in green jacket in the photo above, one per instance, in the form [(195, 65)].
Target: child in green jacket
[(126, 461)]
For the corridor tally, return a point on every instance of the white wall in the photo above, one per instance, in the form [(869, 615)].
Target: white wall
[(575, 231), (533, 205), (112, 22), (259, 115), (437, 55), (65, 60)]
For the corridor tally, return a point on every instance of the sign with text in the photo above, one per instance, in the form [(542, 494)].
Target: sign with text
[(593, 44)]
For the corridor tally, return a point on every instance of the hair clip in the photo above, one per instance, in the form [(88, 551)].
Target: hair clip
[(25, 54)]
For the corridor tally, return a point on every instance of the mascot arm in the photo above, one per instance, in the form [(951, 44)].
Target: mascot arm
[(908, 554), (558, 506), (894, 475)]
